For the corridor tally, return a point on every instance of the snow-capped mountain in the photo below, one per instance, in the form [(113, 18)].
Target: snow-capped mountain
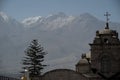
[(50, 22), (64, 37), (3, 17), (32, 20)]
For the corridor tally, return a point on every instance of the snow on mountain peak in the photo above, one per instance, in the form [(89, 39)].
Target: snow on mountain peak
[(4, 16), (56, 21), (32, 20), (51, 21)]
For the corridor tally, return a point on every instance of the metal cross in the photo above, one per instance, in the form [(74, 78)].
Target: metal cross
[(107, 15)]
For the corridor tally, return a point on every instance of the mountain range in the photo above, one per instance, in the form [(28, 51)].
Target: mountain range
[(64, 38)]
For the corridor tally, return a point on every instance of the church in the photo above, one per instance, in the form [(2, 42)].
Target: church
[(103, 58), (102, 62)]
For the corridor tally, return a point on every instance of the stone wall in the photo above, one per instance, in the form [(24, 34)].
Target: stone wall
[(63, 74)]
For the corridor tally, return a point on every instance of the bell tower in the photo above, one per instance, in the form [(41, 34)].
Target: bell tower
[(105, 50)]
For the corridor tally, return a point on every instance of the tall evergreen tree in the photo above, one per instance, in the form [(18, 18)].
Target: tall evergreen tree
[(34, 58)]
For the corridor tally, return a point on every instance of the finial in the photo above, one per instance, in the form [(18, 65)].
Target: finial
[(107, 19)]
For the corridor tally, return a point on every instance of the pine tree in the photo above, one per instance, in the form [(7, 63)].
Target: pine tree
[(34, 58)]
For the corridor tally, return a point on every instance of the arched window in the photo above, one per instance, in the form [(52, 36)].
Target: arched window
[(106, 41), (105, 64)]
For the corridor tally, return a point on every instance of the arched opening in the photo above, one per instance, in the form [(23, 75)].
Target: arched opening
[(106, 40)]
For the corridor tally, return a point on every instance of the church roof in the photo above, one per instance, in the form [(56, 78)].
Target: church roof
[(84, 60)]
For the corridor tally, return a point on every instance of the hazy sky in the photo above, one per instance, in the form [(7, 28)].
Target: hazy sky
[(20, 9)]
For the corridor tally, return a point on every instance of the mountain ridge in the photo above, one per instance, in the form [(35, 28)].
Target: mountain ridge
[(64, 37), (56, 18)]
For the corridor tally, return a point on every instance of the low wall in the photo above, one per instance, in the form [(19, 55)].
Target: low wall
[(62, 74)]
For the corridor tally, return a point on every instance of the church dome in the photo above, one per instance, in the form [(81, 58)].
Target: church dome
[(106, 31), (82, 61)]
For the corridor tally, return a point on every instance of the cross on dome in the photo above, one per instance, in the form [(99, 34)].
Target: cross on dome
[(107, 16), (107, 19)]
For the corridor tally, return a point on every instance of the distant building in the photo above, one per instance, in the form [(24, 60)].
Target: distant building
[(7, 78)]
